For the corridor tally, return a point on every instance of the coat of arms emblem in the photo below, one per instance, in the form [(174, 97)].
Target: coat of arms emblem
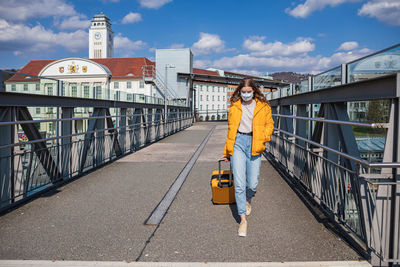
[(61, 69), (84, 69), (73, 68)]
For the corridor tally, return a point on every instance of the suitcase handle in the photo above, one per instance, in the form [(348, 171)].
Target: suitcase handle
[(219, 173)]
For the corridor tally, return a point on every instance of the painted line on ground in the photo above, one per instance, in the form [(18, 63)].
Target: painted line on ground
[(159, 212)]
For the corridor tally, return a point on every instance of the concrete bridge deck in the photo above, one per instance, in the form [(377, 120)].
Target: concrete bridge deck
[(100, 217)]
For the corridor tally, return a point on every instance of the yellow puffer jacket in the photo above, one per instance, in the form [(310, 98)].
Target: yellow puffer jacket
[(263, 126)]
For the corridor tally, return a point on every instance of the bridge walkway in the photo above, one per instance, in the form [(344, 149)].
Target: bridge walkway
[(100, 217)]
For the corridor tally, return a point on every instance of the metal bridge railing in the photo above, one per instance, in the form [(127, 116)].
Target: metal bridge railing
[(109, 130), (321, 156), (211, 115)]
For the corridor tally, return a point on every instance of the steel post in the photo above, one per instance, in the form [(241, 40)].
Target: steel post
[(66, 143), (6, 166), (122, 130)]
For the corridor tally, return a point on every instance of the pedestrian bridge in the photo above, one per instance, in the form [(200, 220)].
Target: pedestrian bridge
[(101, 216), (134, 185)]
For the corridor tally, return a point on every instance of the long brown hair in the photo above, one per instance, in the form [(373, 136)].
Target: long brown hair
[(248, 82)]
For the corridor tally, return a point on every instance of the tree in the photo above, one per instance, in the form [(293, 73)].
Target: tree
[(377, 111)]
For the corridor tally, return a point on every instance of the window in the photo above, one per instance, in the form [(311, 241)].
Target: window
[(141, 84), (37, 87), (63, 89), (50, 110), (218, 89), (97, 53), (128, 85), (207, 97), (218, 98), (13, 87), (212, 98), (207, 107), (223, 98), (201, 87), (201, 107), (74, 91), (201, 98), (98, 91), (207, 88), (25, 87), (37, 110), (86, 91), (213, 88), (50, 90), (218, 106), (129, 97), (213, 107), (116, 85)]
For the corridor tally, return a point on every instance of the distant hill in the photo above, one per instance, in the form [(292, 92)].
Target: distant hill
[(291, 77)]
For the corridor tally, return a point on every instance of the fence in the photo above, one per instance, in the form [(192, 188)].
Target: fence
[(320, 154), (31, 162)]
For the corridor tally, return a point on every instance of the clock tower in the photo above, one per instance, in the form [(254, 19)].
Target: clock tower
[(100, 37)]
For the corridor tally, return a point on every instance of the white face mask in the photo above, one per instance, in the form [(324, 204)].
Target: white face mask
[(246, 96)]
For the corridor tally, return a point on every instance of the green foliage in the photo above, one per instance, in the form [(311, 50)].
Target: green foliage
[(377, 111)]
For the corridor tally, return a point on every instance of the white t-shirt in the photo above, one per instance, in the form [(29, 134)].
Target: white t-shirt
[(246, 121)]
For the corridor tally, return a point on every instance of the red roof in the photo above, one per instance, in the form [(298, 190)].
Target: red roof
[(121, 68), (32, 68), (206, 72)]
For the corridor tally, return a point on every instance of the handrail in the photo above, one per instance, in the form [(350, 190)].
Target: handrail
[(93, 131), (76, 118), (360, 124), (345, 155)]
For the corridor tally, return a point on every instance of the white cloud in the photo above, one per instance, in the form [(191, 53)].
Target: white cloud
[(208, 43), (74, 22), (304, 10), (202, 63), (257, 47), (131, 18), (126, 47), (387, 11), (177, 46), (155, 4), (21, 39), (249, 72), (346, 46), (21, 10), (299, 63)]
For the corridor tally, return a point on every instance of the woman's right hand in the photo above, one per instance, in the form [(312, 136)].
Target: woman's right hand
[(224, 158)]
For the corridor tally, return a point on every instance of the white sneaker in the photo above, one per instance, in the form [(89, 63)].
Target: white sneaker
[(242, 228)]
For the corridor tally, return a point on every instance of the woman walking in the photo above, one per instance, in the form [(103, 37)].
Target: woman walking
[(250, 126)]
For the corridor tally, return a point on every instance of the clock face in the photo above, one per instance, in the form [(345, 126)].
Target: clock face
[(97, 35)]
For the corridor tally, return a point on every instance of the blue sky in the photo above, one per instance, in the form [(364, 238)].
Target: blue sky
[(253, 36)]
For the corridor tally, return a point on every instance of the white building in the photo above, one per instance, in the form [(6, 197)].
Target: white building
[(210, 97), (106, 78)]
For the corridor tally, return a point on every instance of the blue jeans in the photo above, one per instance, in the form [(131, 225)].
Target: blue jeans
[(246, 169)]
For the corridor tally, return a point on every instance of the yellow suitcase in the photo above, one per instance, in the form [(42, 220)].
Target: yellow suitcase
[(222, 186)]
